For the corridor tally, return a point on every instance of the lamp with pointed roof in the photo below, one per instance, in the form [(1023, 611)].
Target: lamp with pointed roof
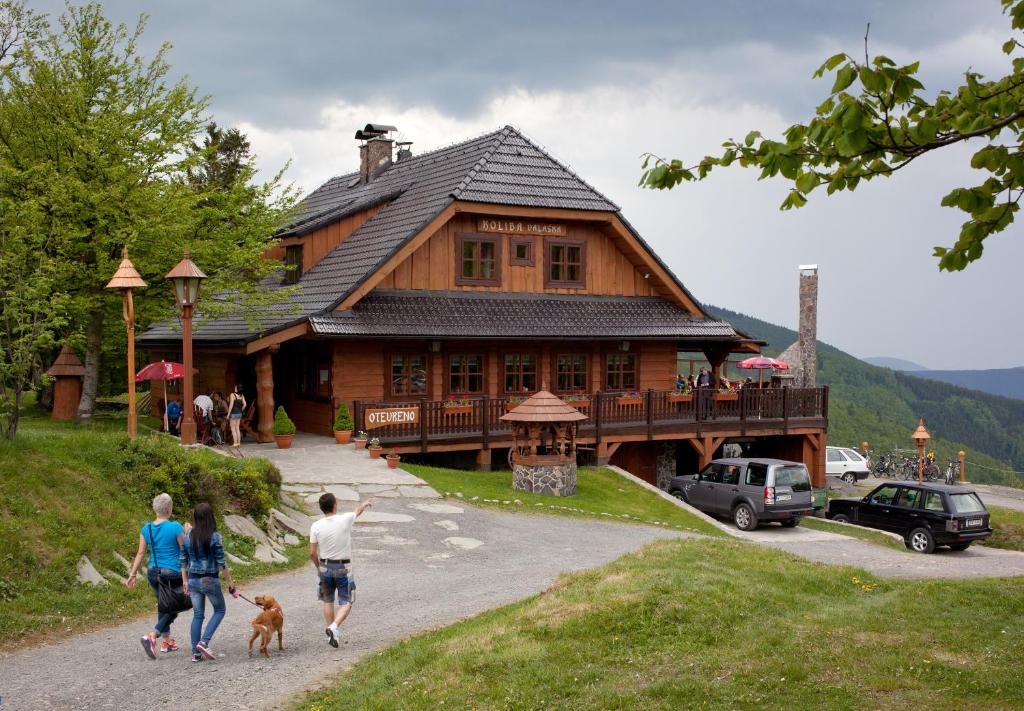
[(921, 438), (186, 278), (125, 279)]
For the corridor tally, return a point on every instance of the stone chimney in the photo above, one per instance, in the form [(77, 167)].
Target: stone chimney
[(375, 153), (808, 326)]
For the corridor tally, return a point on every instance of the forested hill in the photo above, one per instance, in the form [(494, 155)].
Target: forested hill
[(882, 406), (1008, 382)]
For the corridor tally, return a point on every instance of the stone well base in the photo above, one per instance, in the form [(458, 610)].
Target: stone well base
[(547, 479)]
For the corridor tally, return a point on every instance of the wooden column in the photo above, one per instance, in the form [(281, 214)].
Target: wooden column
[(716, 356), (814, 458), (265, 395), (483, 460)]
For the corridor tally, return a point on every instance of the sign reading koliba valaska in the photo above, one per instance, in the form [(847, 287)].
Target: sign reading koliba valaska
[(520, 227), (385, 416)]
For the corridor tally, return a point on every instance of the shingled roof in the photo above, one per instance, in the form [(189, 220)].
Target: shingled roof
[(440, 314), (502, 167)]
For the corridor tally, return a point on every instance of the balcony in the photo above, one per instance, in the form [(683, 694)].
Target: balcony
[(649, 414)]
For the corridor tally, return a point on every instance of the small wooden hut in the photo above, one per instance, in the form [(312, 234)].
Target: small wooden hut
[(67, 390), (543, 454)]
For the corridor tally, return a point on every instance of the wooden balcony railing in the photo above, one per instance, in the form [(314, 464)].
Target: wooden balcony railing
[(609, 413)]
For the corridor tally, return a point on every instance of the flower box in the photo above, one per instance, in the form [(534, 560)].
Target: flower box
[(579, 404), (458, 409), (680, 397), (727, 397), (629, 401)]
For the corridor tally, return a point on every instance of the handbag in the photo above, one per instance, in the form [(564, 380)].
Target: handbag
[(169, 597)]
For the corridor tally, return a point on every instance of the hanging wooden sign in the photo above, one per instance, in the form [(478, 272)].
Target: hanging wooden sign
[(521, 227), (387, 416)]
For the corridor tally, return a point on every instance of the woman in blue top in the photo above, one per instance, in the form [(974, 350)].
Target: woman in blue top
[(163, 537), (202, 559)]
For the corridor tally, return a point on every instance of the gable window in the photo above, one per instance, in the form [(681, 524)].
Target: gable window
[(571, 372), (292, 263), (522, 252), (566, 265), (465, 374), (408, 374), (620, 371), (520, 373), (477, 260)]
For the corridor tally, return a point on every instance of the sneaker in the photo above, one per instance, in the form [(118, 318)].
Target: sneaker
[(204, 650), (197, 657), (168, 645), (332, 637), (147, 645)]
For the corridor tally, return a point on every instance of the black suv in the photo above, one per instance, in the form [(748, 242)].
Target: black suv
[(926, 515)]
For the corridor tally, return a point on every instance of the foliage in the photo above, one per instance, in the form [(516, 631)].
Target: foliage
[(882, 407), (393, 454), (98, 140), (361, 435), (68, 491), (374, 443), (600, 493), (885, 124), (711, 625), (343, 419), (283, 424)]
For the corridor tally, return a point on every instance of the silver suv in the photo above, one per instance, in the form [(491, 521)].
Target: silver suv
[(749, 491)]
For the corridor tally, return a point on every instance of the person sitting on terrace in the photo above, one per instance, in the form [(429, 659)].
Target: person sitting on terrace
[(681, 382), (174, 417), (704, 379), (205, 405), (748, 383)]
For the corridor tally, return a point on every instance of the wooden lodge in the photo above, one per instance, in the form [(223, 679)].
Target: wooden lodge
[(433, 291)]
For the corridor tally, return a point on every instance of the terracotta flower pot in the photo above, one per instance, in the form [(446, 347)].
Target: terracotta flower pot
[(342, 436), (375, 452), (360, 443), (284, 441), (393, 462)]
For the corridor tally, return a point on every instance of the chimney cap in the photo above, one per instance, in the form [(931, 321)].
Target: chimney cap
[(808, 267), (374, 130)]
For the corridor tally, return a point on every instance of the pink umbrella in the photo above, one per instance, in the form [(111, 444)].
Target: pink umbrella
[(762, 363), (164, 371)]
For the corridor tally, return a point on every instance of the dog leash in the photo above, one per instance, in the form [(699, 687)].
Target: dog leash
[(248, 600)]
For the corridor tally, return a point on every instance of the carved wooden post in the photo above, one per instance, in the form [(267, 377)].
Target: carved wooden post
[(265, 395), (963, 466)]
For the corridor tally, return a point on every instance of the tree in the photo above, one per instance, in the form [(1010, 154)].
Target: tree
[(882, 127), (223, 157), (116, 142)]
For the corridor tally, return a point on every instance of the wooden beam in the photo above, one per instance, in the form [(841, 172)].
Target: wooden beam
[(265, 395), (274, 339), (399, 257)]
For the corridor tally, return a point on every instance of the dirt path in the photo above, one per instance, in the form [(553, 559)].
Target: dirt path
[(412, 575)]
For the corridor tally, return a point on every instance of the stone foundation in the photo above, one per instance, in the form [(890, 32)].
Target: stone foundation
[(666, 465), (547, 479)]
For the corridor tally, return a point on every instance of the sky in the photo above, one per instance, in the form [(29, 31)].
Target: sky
[(598, 84)]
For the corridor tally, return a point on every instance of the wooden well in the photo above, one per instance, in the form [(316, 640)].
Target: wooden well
[(543, 455), (67, 388)]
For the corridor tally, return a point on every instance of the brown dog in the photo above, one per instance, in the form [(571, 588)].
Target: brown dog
[(266, 623)]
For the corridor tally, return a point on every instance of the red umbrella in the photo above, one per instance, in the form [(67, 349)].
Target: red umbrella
[(762, 363), (164, 370)]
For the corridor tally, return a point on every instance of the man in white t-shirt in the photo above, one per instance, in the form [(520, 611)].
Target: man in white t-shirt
[(330, 549)]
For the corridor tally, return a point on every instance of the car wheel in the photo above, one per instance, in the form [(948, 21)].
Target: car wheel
[(921, 540), (744, 517), (850, 478), (790, 523), (841, 518), (679, 494), (959, 546)]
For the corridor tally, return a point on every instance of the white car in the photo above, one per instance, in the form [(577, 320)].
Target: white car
[(846, 464)]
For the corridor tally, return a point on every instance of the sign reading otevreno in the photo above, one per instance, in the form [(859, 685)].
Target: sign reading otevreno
[(387, 416), (520, 227)]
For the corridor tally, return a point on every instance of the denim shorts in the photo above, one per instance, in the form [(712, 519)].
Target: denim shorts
[(336, 579), (236, 416)]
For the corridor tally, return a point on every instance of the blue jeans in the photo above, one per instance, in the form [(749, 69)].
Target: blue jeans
[(163, 619), (199, 589)]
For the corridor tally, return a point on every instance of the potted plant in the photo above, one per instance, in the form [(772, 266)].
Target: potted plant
[(393, 459), (458, 406), (727, 395), (630, 399), (682, 395), (343, 424), (360, 440), (283, 429), (579, 399), (374, 448)]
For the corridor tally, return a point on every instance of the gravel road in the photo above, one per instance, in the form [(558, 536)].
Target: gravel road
[(409, 579)]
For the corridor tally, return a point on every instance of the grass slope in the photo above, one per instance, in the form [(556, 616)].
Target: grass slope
[(600, 493), (882, 406), (716, 625), (60, 499)]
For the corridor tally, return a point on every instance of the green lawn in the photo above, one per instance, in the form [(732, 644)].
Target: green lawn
[(600, 493), (1007, 528), (713, 624), (62, 495), (865, 534)]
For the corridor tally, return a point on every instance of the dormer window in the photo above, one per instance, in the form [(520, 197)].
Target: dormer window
[(292, 263)]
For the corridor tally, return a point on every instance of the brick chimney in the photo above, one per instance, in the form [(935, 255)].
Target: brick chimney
[(808, 326), (375, 151)]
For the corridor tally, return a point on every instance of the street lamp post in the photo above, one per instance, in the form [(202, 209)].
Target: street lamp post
[(127, 278), (186, 278), (921, 438)]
